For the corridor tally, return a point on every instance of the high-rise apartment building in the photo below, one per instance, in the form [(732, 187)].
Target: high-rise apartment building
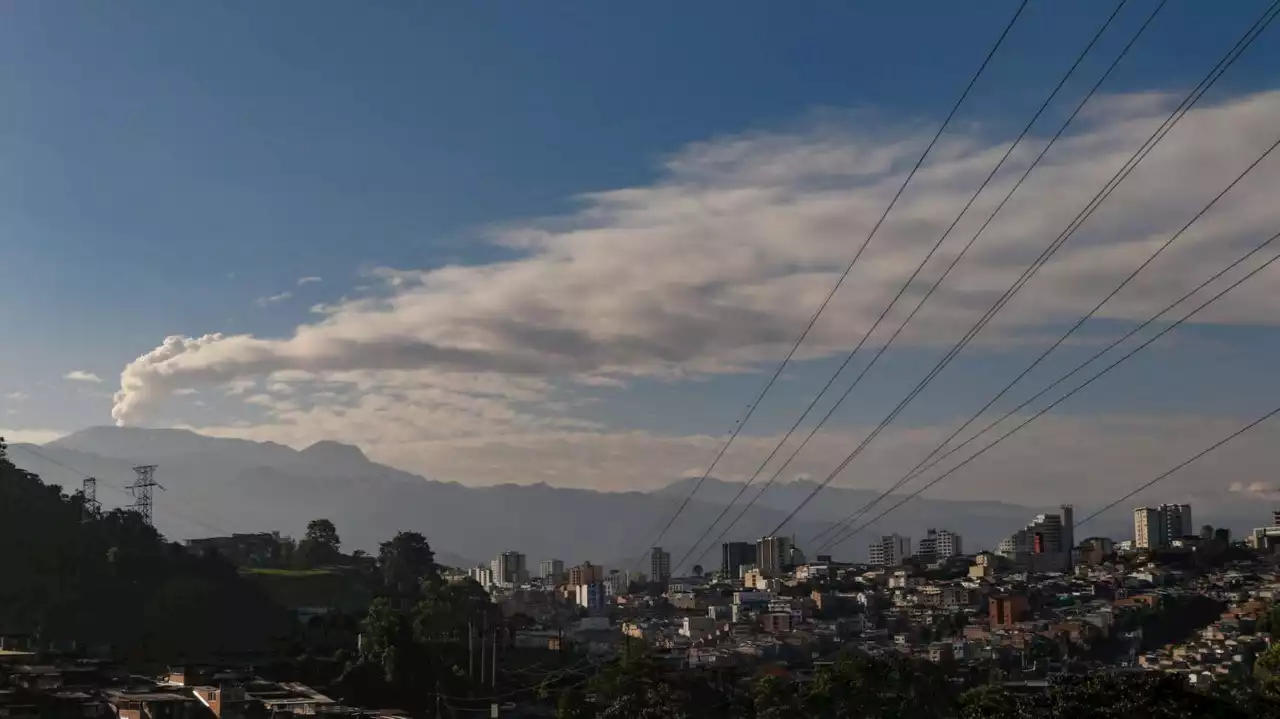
[(510, 570), (890, 551), (735, 555), (1068, 531), (939, 544), (585, 573), (1043, 545), (483, 575), (1176, 519), (659, 564), (773, 555), (1147, 528), (1154, 528), (552, 570)]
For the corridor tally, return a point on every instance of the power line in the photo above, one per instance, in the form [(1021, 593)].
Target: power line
[(1058, 401), (1183, 464), (1079, 323), (922, 468), (1084, 215), (840, 281), (831, 411), (123, 490)]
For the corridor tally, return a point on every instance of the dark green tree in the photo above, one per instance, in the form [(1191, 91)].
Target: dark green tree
[(773, 698), (111, 579), (406, 561), (322, 532), (319, 547)]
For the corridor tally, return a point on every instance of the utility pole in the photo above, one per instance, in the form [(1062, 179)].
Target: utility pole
[(493, 674), (142, 487), (483, 632), (471, 651)]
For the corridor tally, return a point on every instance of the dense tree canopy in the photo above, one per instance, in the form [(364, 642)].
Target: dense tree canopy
[(406, 561), (112, 581)]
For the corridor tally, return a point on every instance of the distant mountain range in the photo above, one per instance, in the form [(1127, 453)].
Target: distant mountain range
[(215, 486)]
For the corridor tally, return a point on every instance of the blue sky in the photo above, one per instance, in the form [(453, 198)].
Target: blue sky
[(167, 168)]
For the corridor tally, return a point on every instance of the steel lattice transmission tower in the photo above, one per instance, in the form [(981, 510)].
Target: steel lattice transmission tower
[(142, 487), (92, 507)]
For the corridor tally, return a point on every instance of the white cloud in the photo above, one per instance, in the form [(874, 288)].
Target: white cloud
[(308, 280), (468, 372), (239, 386), (716, 266), (82, 376), (17, 396), (30, 436), (1258, 490), (186, 391), (273, 299)]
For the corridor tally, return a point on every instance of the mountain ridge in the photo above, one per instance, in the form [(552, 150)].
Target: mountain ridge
[(218, 485)]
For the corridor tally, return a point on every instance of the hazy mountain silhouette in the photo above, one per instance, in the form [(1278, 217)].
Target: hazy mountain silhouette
[(215, 485)]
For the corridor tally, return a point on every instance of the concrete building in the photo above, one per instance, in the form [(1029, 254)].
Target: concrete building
[(242, 550), (776, 622), (585, 573), (591, 596), (619, 581), (735, 555), (552, 570), (509, 569), (890, 550), (483, 575), (939, 544), (1146, 528), (698, 627), (1045, 544), (773, 555), (659, 564), (1007, 610), (1154, 528), (1068, 531), (1176, 520)]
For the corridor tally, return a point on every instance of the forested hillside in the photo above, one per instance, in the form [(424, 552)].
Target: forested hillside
[(108, 580)]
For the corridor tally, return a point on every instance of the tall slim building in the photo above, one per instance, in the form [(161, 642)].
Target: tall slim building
[(1068, 531), (660, 564), (1156, 528), (483, 575), (1046, 531), (1044, 545), (890, 551), (510, 569), (939, 544), (773, 555), (733, 555), (1147, 528), (552, 569), (1176, 519)]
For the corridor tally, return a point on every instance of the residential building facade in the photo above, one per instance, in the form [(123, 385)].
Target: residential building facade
[(552, 570), (659, 564), (734, 556), (773, 555), (890, 551), (939, 544)]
